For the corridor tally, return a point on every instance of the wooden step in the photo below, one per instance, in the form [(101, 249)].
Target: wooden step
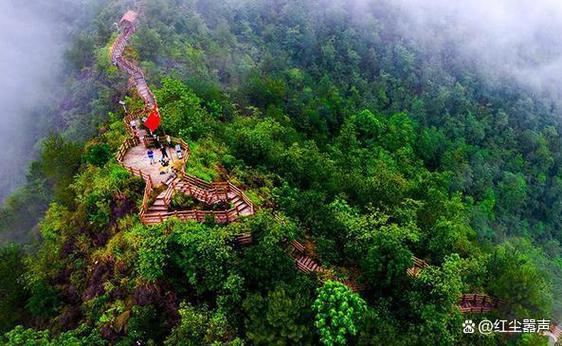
[(306, 264), (159, 202), (243, 239), (297, 246)]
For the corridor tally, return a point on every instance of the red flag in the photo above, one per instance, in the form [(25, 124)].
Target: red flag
[(153, 120)]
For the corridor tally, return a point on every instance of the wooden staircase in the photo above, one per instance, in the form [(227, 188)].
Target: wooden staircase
[(419, 264), (307, 265), (477, 303), (158, 211)]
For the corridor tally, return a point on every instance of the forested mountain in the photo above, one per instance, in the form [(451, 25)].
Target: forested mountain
[(348, 136)]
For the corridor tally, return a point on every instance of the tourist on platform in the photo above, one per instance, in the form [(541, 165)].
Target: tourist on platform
[(164, 166), (157, 143), (179, 152), (164, 151), (150, 154)]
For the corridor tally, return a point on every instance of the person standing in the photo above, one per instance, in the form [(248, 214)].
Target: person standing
[(164, 153), (157, 143), (150, 154), (179, 152)]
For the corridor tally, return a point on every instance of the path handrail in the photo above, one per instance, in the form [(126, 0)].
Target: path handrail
[(125, 146)]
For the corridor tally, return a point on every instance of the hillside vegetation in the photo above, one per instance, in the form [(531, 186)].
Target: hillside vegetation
[(362, 145)]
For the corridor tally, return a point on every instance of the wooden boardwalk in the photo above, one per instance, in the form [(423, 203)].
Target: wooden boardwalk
[(136, 157), (133, 156)]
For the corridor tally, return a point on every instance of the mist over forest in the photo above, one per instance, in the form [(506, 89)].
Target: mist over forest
[(35, 37), (30, 58), (410, 149), (504, 42)]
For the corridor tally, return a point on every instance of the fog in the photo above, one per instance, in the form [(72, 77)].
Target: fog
[(507, 40), (31, 48), (516, 40)]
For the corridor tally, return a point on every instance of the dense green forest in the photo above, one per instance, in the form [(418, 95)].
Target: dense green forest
[(343, 132)]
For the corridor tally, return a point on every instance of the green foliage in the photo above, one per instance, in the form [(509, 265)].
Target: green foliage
[(79, 53), (201, 254), (152, 254), (95, 189), (13, 293), (181, 110), (443, 286), (98, 154), (44, 300), (21, 211), (387, 259), (265, 91), (205, 159), (437, 290), (254, 142), (339, 313), (283, 317), (199, 326), (60, 160), (364, 147), (183, 201), (514, 277), (144, 324), (82, 336), (266, 263)]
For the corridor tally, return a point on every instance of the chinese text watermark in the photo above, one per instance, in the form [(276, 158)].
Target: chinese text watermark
[(486, 327)]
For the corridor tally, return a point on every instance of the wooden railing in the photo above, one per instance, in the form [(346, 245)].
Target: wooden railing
[(419, 264), (131, 67), (242, 196), (170, 192), (127, 120), (477, 303), (148, 188), (127, 144), (217, 191), (220, 216), (202, 184), (184, 146)]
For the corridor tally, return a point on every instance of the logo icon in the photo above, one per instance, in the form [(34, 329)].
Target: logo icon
[(468, 327)]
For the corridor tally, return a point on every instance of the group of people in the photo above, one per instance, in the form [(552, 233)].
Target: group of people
[(165, 158)]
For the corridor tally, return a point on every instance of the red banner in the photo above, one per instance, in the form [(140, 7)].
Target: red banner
[(153, 120)]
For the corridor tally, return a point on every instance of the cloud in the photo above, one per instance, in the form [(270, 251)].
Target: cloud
[(518, 39), (31, 50)]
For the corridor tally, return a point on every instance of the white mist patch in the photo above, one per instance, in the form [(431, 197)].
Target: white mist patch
[(517, 39), (30, 58)]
